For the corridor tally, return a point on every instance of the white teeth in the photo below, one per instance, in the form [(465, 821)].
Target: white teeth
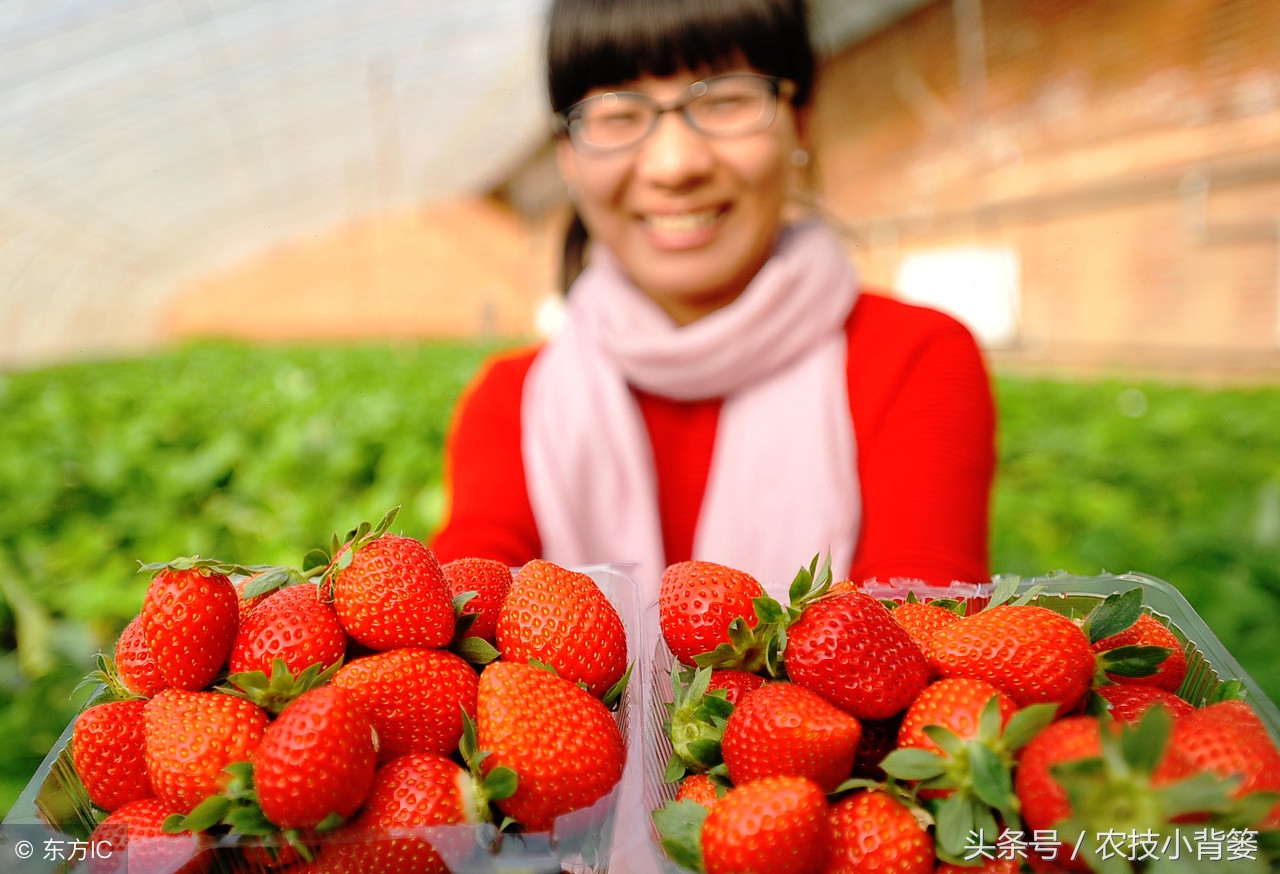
[(685, 221)]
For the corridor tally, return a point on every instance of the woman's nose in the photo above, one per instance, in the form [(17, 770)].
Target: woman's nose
[(675, 155)]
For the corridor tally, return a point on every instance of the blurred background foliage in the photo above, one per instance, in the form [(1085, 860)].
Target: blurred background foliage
[(258, 454)]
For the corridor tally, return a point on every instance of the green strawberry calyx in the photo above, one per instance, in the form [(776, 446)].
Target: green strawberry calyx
[(975, 775), (679, 827), (325, 564), (484, 789), (759, 649), (273, 693), (695, 723), (1113, 792)]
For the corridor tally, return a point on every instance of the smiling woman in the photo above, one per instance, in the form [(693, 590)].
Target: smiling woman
[(723, 386)]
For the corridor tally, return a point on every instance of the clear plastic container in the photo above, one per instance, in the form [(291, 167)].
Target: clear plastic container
[(1208, 661), (46, 829)]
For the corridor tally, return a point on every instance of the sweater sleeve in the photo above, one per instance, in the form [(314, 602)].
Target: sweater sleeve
[(924, 419), (488, 513)]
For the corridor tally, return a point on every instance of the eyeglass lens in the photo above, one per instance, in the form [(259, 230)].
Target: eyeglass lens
[(719, 106)]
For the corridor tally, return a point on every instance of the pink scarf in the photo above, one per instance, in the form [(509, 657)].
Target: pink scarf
[(783, 484)]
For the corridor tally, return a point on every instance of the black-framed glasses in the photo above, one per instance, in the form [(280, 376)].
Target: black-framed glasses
[(732, 105)]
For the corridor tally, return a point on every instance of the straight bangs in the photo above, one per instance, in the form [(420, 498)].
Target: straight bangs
[(604, 43)]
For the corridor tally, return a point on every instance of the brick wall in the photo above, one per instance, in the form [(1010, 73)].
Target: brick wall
[(1127, 152)]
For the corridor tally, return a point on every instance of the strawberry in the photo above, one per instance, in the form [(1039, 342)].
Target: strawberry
[(316, 761), (1029, 652), (389, 591), (1228, 739), (392, 833), (292, 624), (489, 580), (957, 743), (189, 618), (697, 603), (561, 742), (734, 682), (785, 730), (955, 704), (561, 618), (415, 698), (777, 824), (110, 754), (1044, 802), (191, 737), (921, 618), (873, 830), (132, 839), (1149, 631), (847, 648), (134, 664), (700, 788), (1128, 703)]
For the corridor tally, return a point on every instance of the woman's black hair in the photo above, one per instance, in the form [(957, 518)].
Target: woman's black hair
[(601, 43)]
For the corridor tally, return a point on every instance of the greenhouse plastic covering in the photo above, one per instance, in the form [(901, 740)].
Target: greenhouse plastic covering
[(145, 143)]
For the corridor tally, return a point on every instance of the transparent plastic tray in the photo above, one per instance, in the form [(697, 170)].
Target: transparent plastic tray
[(1208, 661), (46, 829)]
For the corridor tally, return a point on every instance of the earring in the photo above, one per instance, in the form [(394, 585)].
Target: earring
[(799, 158)]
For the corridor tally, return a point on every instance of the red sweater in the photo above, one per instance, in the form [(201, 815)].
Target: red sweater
[(923, 419)]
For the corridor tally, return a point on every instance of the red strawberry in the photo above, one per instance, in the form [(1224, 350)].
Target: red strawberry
[(700, 788), (1128, 703), (131, 839), (1043, 799), (1030, 652), (1228, 739), (561, 618), (734, 682), (697, 601), (109, 752), (778, 824), (490, 580), (955, 704), (957, 742), (316, 760), (1149, 631), (389, 592), (189, 619), (921, 618), (874, 831), (191, 737), (561, 741), (785, 730), (415, 698), (848, 649), (292, 624), (134, 664), (392, 833)]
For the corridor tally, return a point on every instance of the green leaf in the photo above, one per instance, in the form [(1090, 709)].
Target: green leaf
[(1026, 724), (475, 650), (1116, 613), (679, 827), (500, 783), (913, 764), (956, 824), (946, 739), (992, 781), (207, 814), (1143, 745)]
